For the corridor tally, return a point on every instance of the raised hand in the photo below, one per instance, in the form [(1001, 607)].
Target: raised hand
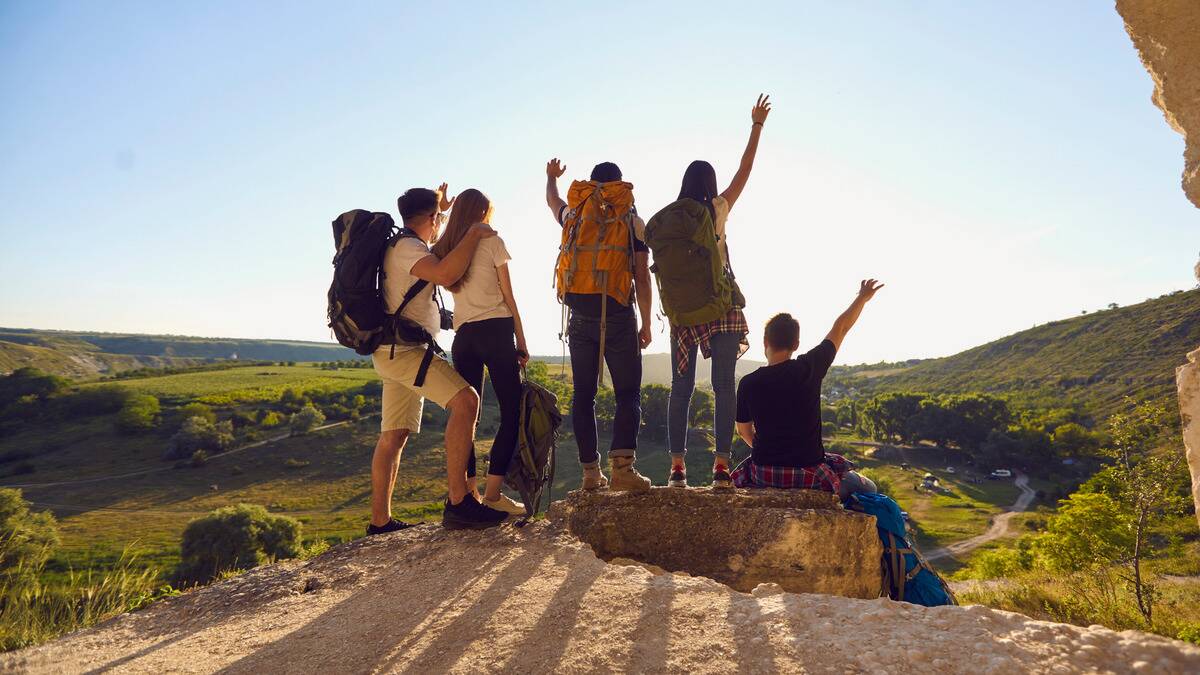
[(555, 169), (866, 290), (444, 202), (761, 109)]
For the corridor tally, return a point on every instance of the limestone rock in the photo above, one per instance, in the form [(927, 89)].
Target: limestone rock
[(1188, 379), (802, 540), (1167, 36)]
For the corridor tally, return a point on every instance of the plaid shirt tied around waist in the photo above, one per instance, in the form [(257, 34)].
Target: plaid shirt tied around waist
[(686, 336), (825, 476)]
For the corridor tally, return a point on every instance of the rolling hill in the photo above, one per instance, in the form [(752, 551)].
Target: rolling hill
[(1093, 361), (88, 355)]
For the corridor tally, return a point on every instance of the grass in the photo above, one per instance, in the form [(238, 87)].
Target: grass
[(38, 609), (252, 384)]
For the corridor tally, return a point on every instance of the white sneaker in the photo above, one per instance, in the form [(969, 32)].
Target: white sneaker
[(506, 504)]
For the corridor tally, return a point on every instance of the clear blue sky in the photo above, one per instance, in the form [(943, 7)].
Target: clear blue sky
[(173, 167)]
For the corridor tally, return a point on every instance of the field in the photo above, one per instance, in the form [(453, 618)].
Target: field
[(247, 384)]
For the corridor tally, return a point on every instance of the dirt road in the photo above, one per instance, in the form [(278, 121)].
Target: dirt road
[(999, 526)]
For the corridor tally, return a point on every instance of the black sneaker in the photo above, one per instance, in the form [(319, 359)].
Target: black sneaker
[(678, 477), (469, 514), (721, 479), (392, 525)]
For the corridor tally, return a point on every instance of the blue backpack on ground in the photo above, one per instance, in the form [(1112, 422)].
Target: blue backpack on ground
[(906, 575)]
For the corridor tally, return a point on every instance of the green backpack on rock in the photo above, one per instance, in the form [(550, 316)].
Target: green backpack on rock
[(531, 470), (695, 285)]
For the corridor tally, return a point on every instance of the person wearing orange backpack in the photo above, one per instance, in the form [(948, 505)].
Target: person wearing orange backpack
[(602, 268)]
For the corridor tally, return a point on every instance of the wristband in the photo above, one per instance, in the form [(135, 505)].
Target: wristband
[(757, 124)]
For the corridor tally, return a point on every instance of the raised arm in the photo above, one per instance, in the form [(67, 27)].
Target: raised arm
[(758, 116), (843, 324), (554, 170), (511, 301), (450, 269)]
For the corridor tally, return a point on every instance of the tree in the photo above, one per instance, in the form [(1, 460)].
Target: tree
[(1088, 530), (655, 401), (606, 406), (1073, 440), (1148, 483), (235, 538), (29, 382), (307, 419), (197, 409), (27, 539), (889, 417), (703, 407), (140, 413), (197, 433)]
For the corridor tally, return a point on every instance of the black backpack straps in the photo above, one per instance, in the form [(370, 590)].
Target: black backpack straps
[(412, 292), (423, 369)]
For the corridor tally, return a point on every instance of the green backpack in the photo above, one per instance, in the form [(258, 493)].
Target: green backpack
[(532, 468), (694, 284)]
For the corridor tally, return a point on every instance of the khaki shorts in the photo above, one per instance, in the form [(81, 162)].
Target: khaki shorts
[(402, 402)]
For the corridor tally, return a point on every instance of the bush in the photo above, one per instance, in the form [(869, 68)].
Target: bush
[(93, 401), (269, 418), (306, 420), (140, 413), (198, 433), (27, 539), (293, 463), (235, 538), (241, 419), (882, 484), (199, 459), (29, 383), (195, 409)]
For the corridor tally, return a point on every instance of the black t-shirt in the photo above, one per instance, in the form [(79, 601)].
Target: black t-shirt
[(784, 402), (588, 304)]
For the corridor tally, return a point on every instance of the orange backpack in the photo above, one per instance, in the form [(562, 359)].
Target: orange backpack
[(596, 255)]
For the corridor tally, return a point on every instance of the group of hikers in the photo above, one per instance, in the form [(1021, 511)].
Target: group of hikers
[(603, 270)]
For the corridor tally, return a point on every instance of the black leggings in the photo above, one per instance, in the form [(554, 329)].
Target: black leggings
[(492, 343)]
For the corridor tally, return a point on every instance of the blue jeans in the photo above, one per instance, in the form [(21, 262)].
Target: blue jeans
[(624, 358), (725, 348)]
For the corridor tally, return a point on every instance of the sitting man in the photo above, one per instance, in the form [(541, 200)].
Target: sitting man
[(779, 410)]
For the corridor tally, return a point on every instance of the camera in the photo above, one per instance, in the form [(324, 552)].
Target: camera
[(445, 316)]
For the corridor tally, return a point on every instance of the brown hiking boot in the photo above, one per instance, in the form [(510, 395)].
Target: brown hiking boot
[(593, 478), (625, 478)]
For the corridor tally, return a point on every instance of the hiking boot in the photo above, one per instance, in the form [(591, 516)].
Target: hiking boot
[(678, 476), (593, 478), (625, 478), (721, 478), (506, 504), (469, 514), (392, 525)]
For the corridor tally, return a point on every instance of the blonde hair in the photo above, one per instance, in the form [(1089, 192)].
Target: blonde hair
[(470, 207)]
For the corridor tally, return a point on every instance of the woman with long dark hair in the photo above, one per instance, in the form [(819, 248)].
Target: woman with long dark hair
[(487, 332), (724, 339)]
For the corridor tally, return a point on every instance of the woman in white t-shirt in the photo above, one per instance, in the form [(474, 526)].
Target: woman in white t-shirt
[(487, 332)]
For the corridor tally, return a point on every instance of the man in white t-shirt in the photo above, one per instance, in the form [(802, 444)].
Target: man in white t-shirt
[(405, 263)]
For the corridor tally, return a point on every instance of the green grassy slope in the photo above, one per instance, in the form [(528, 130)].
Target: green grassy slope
[(1093, 360)]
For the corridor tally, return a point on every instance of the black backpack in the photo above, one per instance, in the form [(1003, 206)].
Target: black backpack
[(356, 310)]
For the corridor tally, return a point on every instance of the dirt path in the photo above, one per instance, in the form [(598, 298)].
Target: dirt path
[(533, 600), (999, 526)]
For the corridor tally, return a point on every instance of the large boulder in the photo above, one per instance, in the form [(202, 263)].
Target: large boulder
[(1166, 34), (802, 540)]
